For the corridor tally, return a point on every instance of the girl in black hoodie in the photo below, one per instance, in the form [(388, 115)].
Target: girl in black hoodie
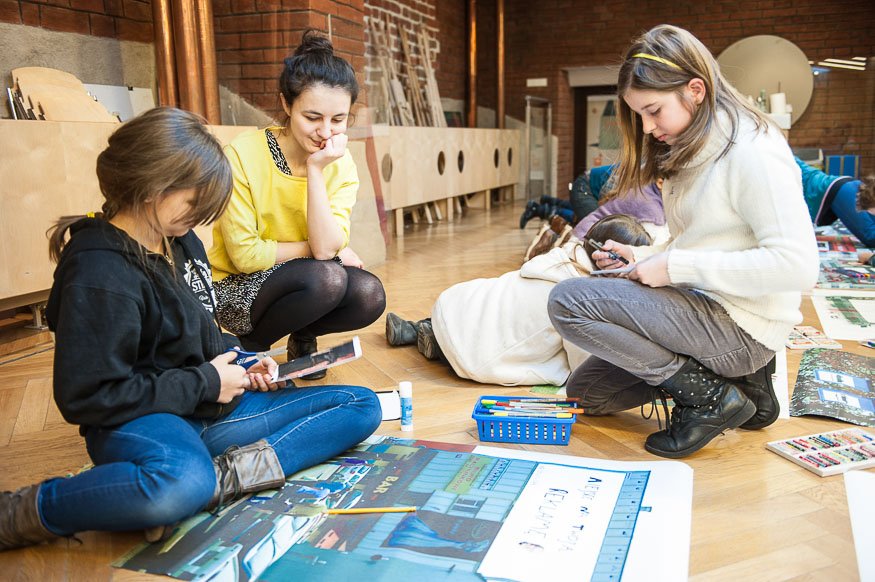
[(172, 425)]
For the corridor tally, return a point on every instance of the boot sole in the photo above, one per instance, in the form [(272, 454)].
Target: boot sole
[(427, 346), (736, 421)]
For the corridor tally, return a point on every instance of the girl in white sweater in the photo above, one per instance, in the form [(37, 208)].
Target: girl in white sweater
[(701, 316)]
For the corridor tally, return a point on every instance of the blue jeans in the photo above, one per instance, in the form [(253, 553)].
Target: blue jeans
[(859, 222), (157, 469)]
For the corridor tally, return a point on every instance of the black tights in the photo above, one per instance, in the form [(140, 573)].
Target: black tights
[(311, 298)]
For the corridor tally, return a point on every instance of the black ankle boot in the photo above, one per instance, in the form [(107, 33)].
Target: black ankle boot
[(400, 332), (705, 405), (531, 211), (303, 345), (758, 387)]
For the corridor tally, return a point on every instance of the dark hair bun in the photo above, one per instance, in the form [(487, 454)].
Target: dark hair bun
[(313, 43)]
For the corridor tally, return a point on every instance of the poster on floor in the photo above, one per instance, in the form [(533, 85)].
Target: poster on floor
[(846, 317), (835, 384), (482, 513)]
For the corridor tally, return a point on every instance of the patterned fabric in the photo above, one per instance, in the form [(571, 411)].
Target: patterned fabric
[(276, 153), (235, 295)]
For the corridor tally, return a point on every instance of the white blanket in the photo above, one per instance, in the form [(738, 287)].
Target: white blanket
[(497, 331)]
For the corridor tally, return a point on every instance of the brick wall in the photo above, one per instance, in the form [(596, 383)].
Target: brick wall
[(412, 15), (451, 69), (253, 37), (546, 36), (121, 19)]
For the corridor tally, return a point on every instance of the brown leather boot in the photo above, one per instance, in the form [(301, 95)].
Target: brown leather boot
[(20, 524), (542, 243), (243, 470)]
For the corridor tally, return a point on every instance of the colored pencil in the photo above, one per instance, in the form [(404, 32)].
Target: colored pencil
[(357, 510)]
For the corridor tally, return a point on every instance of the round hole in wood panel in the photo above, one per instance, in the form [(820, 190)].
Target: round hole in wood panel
[(509, 156), (495, 157), (386, 167), (442, 163), (461, 161)]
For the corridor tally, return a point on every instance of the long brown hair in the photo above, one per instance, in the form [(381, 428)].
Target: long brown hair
[(666, 58), (156, 153)]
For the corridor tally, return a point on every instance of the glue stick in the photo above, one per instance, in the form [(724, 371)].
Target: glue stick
[(405, 391)]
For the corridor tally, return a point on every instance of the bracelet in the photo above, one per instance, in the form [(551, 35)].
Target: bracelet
[(338, 260)]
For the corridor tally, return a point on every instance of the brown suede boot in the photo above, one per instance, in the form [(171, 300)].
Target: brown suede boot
[(20, 524), (243, 470)]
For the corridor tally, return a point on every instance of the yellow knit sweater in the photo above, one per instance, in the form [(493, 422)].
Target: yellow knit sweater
[(268, 206)]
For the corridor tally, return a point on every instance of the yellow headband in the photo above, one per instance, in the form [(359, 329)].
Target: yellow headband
[(656, 58)]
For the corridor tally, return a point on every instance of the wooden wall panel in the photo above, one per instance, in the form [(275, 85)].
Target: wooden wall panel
[(414, 153), (47, 170)]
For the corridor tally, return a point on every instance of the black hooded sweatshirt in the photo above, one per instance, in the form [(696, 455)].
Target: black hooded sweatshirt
[(132, 336)]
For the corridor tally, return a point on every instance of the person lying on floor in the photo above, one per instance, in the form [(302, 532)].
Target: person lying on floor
[(866, 202), (497, 330), (646, 205), (584, 196), (830, 198)]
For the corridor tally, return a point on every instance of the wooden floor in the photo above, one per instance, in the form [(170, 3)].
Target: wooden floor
[(756, 516)]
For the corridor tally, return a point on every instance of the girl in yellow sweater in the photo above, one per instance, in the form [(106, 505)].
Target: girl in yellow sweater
[(280, 258)]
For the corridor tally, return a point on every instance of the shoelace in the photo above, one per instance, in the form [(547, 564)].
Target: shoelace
[(654, 394)]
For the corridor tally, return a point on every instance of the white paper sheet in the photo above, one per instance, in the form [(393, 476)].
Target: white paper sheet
[(660, 544), (859, 486), (781, 383), (836, 322)]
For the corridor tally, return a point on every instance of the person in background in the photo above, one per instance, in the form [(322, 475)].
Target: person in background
[(280, 256), (830, 198), (866, 203), (584, 195), (702, 316), (171, 423)]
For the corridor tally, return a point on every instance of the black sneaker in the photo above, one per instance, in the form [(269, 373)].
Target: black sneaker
[(531, 211)]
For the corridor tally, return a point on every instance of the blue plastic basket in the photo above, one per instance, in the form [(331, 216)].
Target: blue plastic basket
[(520, 429)]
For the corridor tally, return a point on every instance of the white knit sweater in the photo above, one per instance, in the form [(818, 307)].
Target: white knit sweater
[(741, 233)]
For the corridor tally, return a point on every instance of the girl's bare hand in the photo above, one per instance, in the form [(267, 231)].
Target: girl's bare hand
[(603, 260), (233, 377), (333, 148), (261, 374), (652, 271)]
